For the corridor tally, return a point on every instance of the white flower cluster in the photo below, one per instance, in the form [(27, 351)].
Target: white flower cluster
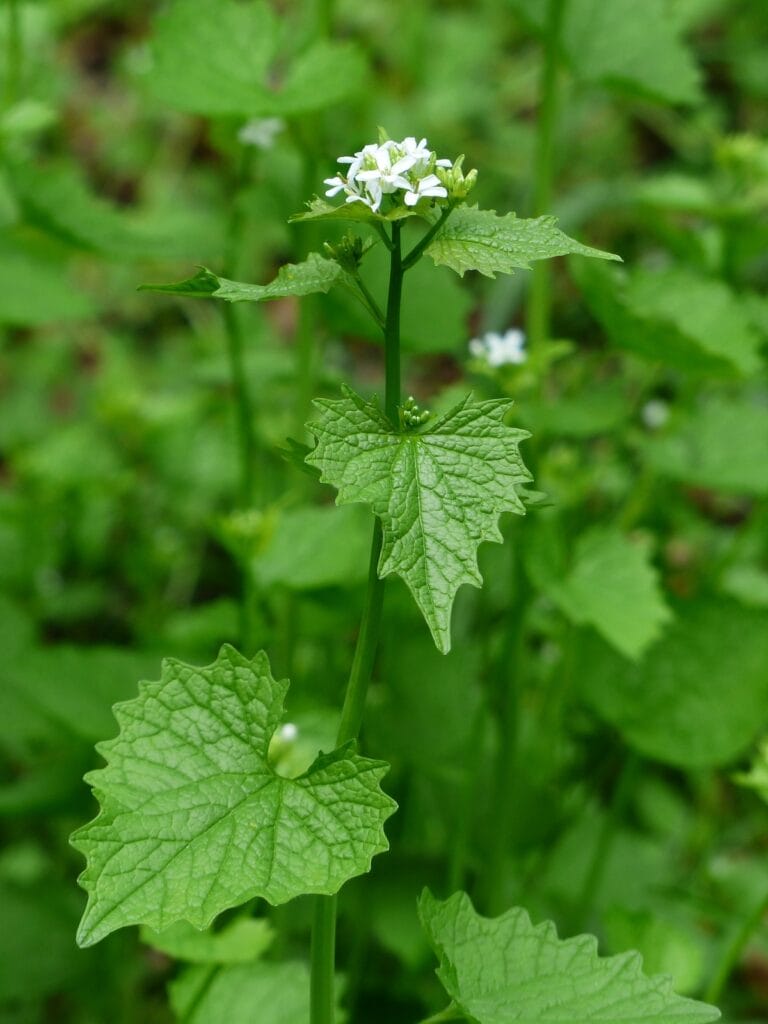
[(386, 168), (500, 349)]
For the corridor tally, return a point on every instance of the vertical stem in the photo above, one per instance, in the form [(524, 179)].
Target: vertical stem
[(540, 296), (324, 921), (509, 672), (392, 327), (322, 996), (244, 410), (13, 53), (606, 837), (733, 950)]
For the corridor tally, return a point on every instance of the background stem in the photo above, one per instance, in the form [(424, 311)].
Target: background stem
[(13, 53), (732, 951), (323, 964), (509, 678), (540, 295), (244, 408)]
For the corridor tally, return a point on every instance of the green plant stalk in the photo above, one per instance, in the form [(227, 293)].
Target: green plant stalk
[(323, 960), (624, 786), (247, 445), (510, 671), (539, 309), (732, 951), (13, 53)]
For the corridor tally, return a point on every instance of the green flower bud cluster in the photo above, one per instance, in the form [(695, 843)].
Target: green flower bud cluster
[(411, 416), (349, 252), (457, 184)]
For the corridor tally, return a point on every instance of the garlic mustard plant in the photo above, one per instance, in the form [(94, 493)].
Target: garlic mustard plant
[(196, 816)]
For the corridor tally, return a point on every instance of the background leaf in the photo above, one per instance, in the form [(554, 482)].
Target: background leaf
[(699, 696), (612, 587)]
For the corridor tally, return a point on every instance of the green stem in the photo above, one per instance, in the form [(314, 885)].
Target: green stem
[(365, 649), (324, 17), (368, 300), (392, 327), (418, 250), (732, 952), (540, 296), (324, 923), (13, 53), (627, 778), (247, 446), (322, 997), (511, 667)]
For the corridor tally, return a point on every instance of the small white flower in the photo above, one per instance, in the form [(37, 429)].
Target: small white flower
[(500, 349), (261, 132), (655, 413)]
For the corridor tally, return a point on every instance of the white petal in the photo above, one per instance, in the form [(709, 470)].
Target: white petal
[(411, 198)]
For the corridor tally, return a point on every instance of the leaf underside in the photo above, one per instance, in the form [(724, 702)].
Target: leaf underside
[(438, 492), (503, 969), (194, 819)]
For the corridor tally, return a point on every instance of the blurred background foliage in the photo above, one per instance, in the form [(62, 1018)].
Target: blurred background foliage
[(620, 643)]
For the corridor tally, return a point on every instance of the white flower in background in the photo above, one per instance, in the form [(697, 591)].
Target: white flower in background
[(387, 168), (500, 349), (654, 413), (288, 732), (261, 132)]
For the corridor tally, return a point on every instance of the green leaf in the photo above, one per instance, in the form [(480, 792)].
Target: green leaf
[(690, 322), (36, 290), (315, 274), (315, 547), (699, 696), (503, 969), (474, 239), (613, 587), (239, 941), (194, 819), (220, 62), (438, 492), (270, 993), (320, 210), (56, 199), (757, 776), (722, 446), (630, 46)]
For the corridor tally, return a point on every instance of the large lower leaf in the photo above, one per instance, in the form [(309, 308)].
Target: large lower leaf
[(474, 239), (699, 696), (508, 969), (193, 817), (438, 492)]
